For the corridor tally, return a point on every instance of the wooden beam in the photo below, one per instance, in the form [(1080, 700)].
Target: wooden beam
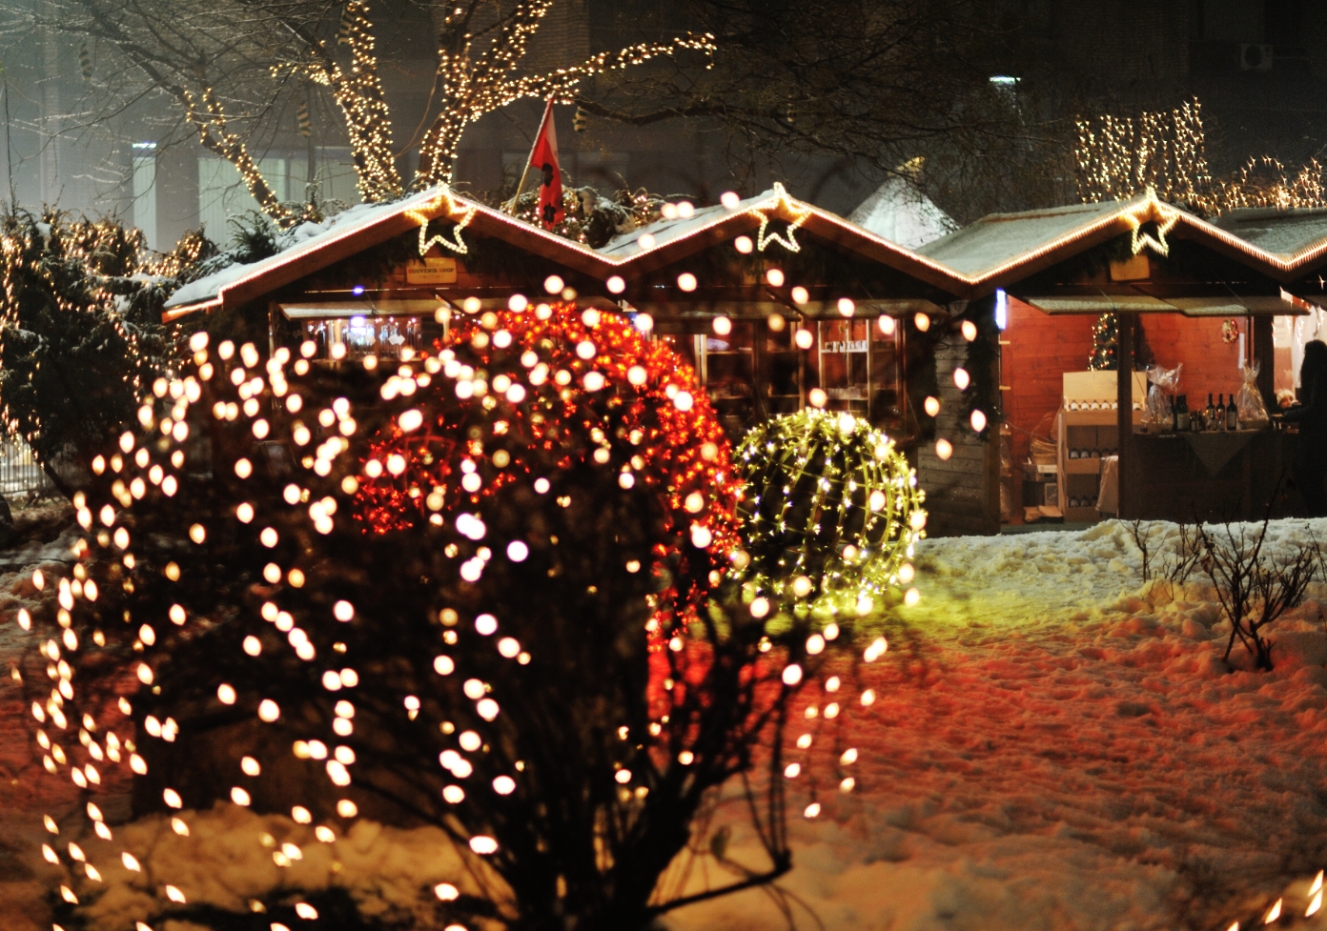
[(1264, 355), (1124, 403)]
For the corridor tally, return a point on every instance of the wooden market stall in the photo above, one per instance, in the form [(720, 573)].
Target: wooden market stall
[(776, 304), (1184, 292)]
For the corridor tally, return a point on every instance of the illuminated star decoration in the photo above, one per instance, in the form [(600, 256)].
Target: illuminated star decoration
[(783, 204), (461, 214), (1165, 217)]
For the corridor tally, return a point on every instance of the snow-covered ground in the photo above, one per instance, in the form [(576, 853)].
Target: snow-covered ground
[(1059, 747), (1056, 746)]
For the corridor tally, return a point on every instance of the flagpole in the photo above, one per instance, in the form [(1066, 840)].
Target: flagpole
[(548, 113)]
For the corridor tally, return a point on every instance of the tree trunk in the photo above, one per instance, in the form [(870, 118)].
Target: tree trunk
[(437, 154), (50, 111)]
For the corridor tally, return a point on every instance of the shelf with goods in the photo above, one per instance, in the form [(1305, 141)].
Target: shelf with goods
[(858, 367), (1087, 430)]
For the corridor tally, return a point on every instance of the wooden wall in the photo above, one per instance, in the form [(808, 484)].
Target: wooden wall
[(1040, 349), (962, 493), (1209, 363)]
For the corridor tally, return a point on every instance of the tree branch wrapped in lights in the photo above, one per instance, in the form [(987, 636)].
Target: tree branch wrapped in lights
[(483, 592), (831, 510)]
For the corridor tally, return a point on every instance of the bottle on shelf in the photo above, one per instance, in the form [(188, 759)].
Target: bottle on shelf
[(1232, 414), (1219, 421), (1182, 413), (1209, 415)]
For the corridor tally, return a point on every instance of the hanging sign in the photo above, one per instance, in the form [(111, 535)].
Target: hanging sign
[(431, 270), (845, 346)]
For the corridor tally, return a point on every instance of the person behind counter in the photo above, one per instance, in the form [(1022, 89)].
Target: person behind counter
[(1311, 415)]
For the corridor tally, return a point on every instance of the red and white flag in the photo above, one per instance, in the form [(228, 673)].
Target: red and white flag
[(544, 156)]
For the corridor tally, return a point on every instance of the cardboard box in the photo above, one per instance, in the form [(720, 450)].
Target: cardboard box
[(1101, 387)]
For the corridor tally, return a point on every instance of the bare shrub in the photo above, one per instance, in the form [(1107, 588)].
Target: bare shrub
[(1253, 587), (1173, 566)]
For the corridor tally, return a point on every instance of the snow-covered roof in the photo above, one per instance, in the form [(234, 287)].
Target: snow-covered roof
[(900, 213), (1005, 248), (1001, 239), (1287, 233), (315, 246), (310, 246), (996, 251), (665, 231)]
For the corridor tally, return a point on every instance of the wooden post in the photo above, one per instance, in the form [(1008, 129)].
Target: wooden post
[(1265, 356), (1124, 402)]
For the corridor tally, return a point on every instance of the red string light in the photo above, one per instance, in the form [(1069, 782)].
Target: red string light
[(519, 386)]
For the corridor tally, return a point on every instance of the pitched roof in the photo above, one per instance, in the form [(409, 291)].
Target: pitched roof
[(638, 252), (1293, 234), (899, 212), (996, 251), (316, 246), (1001, 240)]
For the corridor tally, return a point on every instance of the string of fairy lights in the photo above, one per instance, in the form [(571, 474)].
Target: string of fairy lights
[(210, 121), (565, 356), (832, 510), (358, 91), (27, 252), (472, 81), (540, 371), (676, 441), (1166, 151), (472, 84)]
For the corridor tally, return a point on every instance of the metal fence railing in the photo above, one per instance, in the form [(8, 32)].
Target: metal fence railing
[(20, 475)]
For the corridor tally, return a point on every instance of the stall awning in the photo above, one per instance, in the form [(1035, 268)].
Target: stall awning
[(1193, 303), (318, 310), (825, 310)]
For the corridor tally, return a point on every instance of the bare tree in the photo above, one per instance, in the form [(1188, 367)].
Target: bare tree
[(875, 84), (1120, 157), (233, 66), (1174, 565)]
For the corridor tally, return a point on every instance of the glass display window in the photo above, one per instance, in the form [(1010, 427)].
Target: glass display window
[(363, 335), (887, 374), (843, 351), (859, 366), (724, 362)]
